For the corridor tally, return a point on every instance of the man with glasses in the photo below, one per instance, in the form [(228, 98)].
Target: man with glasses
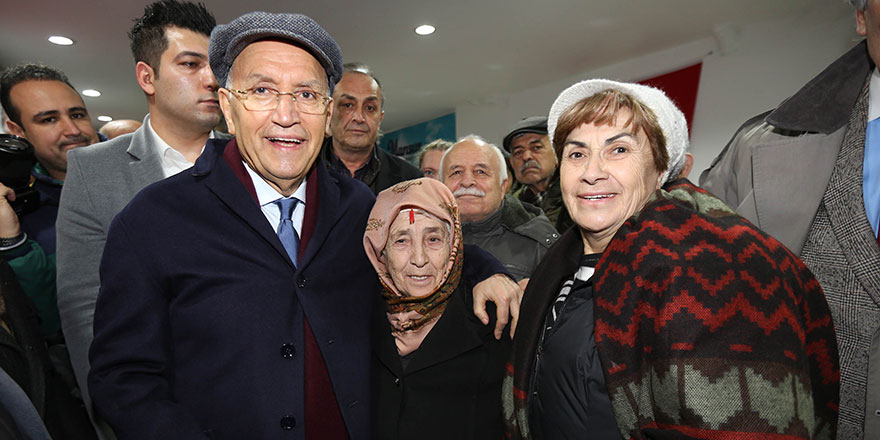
[(236, 296), (170, 48)]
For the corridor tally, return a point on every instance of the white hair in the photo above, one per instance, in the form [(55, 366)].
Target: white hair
[(502, 164)]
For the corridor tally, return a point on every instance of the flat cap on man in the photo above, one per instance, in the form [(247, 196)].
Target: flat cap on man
[(228, 40), (532, 124)]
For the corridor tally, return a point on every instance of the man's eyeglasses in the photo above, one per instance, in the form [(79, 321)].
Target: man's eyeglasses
[(263, 98)]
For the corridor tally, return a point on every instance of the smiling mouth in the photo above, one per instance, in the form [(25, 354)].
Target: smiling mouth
[(285, 142), (598, 196)]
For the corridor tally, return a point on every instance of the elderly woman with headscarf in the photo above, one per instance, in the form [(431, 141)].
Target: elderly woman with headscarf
[(437, 368), (661, 313)]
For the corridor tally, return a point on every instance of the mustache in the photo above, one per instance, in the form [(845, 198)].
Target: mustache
[(469, 192), (76, 140), (530, 164)]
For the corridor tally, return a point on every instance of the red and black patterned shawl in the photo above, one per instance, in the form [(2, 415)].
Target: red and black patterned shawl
[(706, 327)]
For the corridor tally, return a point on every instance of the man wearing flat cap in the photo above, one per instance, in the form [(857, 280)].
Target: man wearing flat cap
[(217, 322), (236, 296), (534, 165)]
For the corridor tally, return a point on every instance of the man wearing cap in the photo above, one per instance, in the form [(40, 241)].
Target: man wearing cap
[(534, 165), (235, 296), (357, 115)]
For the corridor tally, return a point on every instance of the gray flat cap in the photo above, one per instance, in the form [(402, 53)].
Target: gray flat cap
[(532, 124), (228, 40)]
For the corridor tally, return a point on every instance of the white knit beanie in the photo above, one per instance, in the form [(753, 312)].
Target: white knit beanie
[(670, 118)]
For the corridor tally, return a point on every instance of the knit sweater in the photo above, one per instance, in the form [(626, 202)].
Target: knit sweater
[(705, 327)]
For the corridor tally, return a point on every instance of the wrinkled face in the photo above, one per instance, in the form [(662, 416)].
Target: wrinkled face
[(417, 253), (532, 158), (54, 119), (607, 174), (471, 171), (281, 144), (358, 111), (184, 88), (431, 164)]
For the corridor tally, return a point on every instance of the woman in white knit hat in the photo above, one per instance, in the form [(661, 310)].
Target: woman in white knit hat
[(662, 314)]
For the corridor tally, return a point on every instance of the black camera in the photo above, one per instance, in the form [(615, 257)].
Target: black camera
[(16, 161)]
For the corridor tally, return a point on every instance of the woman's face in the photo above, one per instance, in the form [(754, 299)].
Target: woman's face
[(416, 253), (607, 173)]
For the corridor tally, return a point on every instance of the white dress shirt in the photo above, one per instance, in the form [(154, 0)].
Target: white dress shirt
[(266, 196)]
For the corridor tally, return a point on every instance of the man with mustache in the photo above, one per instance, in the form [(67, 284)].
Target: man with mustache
[(170, 48), (517, 234), (357, 114), (45, 109), (534, 165)]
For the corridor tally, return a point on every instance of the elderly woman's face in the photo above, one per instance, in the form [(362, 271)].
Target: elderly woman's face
[(607, 174), (416, 253)]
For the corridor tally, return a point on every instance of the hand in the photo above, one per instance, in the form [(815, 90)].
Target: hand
[(9, 226), (506, 295)]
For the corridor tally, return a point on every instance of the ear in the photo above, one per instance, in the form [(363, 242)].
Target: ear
[(226, 108), (381, 116), (861, 25), (506, 184), (329, 118), (688, 164), (14, 128), (145, 77)]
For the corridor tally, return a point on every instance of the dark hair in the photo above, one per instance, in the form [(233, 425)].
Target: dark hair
[(148, 39), (604, 108), (365, 69), (21, 73)]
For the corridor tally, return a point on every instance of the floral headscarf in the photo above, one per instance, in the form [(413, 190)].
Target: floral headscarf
[(413, 317)]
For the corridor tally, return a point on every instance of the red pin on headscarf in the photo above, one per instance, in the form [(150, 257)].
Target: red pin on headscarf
[(412, 216)]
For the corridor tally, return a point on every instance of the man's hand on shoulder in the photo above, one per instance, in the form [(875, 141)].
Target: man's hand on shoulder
[(505, 294)]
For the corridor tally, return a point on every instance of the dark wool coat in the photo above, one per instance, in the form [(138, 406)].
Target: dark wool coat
[(200, 325), (705, 326)]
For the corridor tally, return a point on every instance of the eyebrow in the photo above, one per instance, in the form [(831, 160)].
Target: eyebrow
[(607, 141), (369, 98), (58, 112), (188, 53), (257, 77)]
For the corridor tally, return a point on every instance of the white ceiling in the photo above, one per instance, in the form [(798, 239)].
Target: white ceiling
[(481, 48)]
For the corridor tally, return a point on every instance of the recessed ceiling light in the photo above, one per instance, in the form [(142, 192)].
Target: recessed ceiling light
[(61, 41), (91, 92), (425, 29), (105, 118)]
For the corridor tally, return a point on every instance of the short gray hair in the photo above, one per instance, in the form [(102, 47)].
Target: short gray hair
[(440, 145), (860, 5), (502, 163)]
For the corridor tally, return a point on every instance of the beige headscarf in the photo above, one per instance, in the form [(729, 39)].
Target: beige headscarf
[(413, 317)]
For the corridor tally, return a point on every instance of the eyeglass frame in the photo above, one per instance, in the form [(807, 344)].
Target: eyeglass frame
[(327, 99)]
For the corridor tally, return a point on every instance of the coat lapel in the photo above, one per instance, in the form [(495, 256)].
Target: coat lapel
[(330, 210), (789, 177), (223, 183), (845, 204), (144, 162)]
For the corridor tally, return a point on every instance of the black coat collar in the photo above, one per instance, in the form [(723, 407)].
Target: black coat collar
[(824, 104)]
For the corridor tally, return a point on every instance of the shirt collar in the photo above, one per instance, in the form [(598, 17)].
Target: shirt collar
[(874, 95), (266, 194), (163, 148)]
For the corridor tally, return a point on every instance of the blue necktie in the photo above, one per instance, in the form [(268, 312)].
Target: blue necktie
[(871, 174), (286, 231)]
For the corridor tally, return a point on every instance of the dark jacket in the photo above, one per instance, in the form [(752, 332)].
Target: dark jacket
[(199, 324), (384, 169), (451, 386), (517, 234)]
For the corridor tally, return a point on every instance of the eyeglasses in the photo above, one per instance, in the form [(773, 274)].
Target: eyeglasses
[(259, 99)]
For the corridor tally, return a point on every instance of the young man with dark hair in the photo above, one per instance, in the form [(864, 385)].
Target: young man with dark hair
[(170, 48)]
